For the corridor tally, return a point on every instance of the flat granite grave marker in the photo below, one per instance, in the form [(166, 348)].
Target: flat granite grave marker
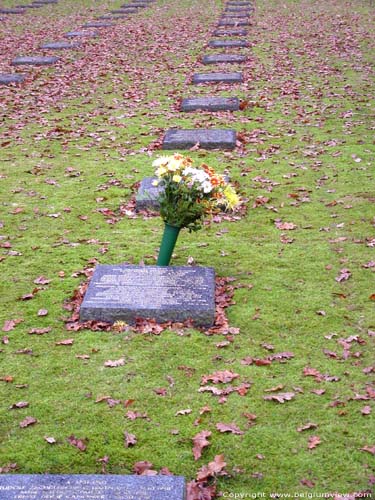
[(12, 11), (217, 78), (59, 45), (223, 59), (236, 15), (231, 32), (206, 138), (125, 292), (211, 104), (228, 43), (98, 24), (90, 487), (8, 78), (232, 22), (147, 196), (88, 34), (35, 60)]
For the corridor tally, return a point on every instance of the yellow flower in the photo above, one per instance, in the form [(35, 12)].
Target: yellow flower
[(176, 178), (160, 171), (155, 183), (231, 197)]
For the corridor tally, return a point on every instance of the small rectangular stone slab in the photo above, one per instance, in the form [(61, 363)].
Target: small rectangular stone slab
[(35, 60), (232, 22), (124, 292), (8, 78), (228, 43), (87, 34), (211, 104), (237, 15), (128, 10), (217, 78), (12, 11), (231, 32), (46, 1), (98, 24), (90, 487), (119, 11), (59, 45), (207, 139), (147, 196), (239, 4), (224, 59)]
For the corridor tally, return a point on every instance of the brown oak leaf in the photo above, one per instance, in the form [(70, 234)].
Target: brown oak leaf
[(200, 441)]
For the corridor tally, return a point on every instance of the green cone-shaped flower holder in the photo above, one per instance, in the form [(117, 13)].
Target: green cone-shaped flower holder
[(168, 243)]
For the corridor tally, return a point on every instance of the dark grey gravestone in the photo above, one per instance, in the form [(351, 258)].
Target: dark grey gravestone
[(239, 4), (231, 32), (46, 2), (12, 11), (147, 196), (206, 138), (98, 24), (223, 58), (35, 60), (237, 15), (59, 45), (87, 34), (128, 10), (211, 104), (123, 292), (228, 43), (90, 487), (33, 6), (8, 78), (232, 22), (239, 8), (138, 5), (217, 78)]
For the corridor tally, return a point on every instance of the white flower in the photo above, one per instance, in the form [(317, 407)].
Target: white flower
[(207, 187), (161, 161)]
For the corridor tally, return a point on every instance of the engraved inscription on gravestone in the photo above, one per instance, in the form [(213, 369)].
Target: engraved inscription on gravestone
[(90, 487), (125, 292), (207, 139)]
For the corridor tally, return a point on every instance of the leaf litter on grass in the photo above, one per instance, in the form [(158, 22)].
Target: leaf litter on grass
[(77, 137)]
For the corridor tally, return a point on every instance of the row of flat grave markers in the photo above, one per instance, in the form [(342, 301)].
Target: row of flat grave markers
[(176, 293), (236, 17), (102, 22)]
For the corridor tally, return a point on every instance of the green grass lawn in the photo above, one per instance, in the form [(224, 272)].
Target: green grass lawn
[(74, 140)]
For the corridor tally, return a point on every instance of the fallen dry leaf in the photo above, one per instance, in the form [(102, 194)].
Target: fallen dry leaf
[(28, 421), (200, 441), (130, 439), (281, 397), (233, 428), (114, 364), (313, 442)]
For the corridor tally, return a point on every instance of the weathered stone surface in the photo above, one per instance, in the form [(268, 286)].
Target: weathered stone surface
[(138, 5), (90, 487), (120, 11), (124, 292), (206, 138), (7, 78), (147, 196), (228, 14), (211, 104), (12, 11), (217, 78), (239, 3), (59, 45), (128, 10), (46, 2), (224, 59), (35, 60), (228, 43), (98, 24), (232, 22), (231, 32), (87, 34)]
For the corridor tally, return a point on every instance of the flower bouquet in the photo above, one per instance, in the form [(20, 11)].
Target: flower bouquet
[(189, 194)]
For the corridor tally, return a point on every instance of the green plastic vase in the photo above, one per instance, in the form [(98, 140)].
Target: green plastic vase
[(168, 243)]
